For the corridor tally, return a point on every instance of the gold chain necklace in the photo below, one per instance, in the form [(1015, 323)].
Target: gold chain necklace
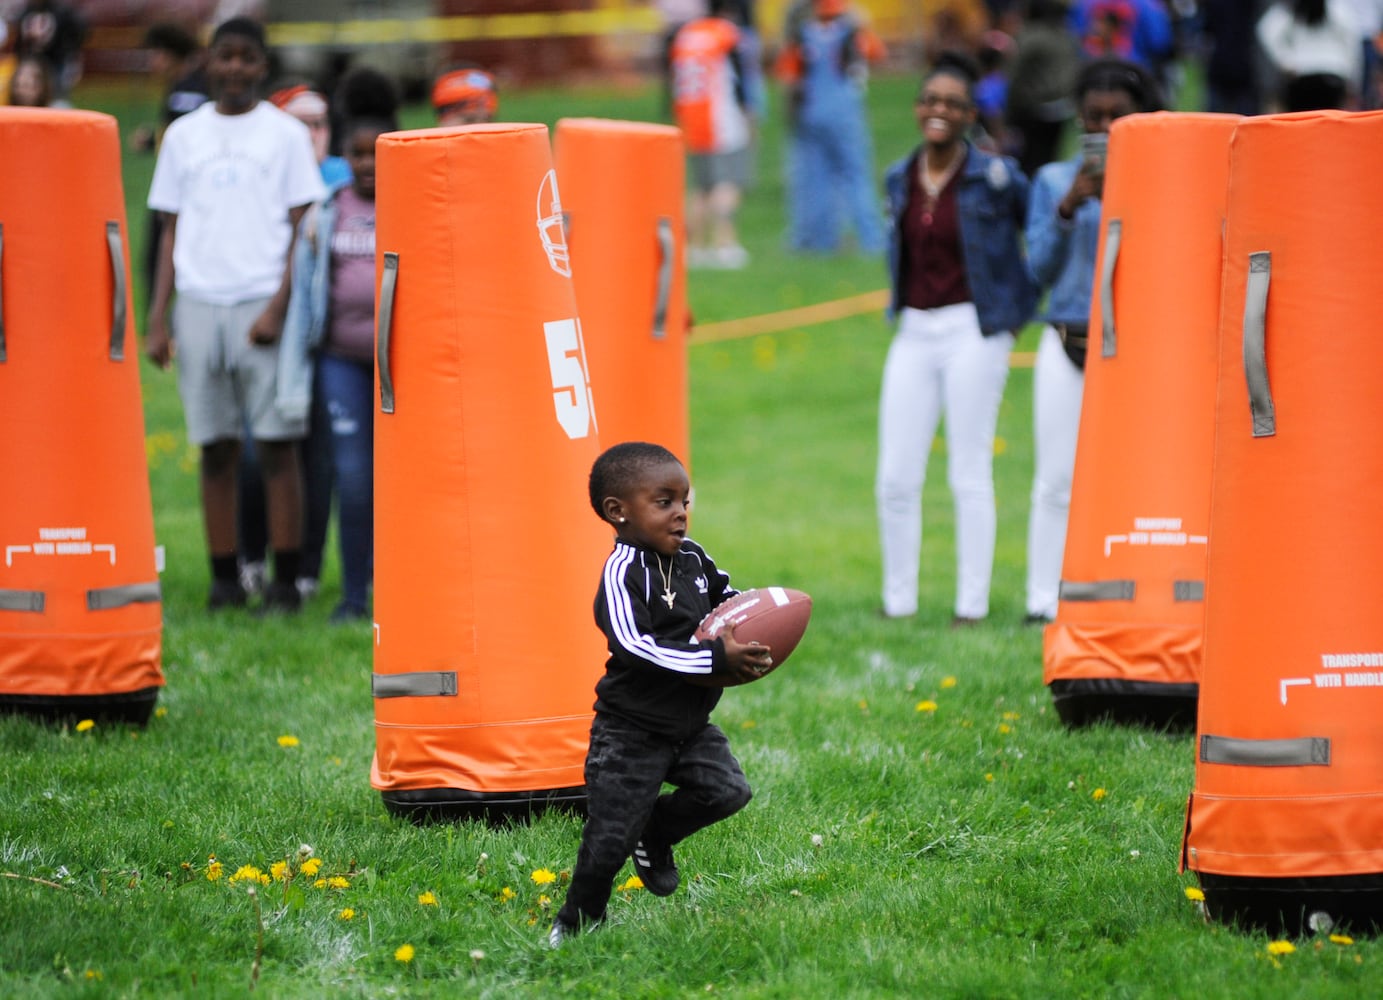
[(668, 595)]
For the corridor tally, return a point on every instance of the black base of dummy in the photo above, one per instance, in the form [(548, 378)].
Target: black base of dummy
[(1294, 907), (133, 707), (1143, 703), (433, 805)]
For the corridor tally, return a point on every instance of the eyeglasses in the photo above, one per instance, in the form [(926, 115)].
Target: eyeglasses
[(943, 101)]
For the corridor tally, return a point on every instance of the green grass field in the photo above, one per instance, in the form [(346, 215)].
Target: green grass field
[(923, 826)]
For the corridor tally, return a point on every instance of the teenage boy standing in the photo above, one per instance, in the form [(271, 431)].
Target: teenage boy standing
[(233, 179)]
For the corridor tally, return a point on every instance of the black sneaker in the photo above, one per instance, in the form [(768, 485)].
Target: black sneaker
[(346, 613), (657, 869), (561, 930), (225, 594), (281, 597)]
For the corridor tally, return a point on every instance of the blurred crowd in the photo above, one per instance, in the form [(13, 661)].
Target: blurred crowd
[(1006, 85)]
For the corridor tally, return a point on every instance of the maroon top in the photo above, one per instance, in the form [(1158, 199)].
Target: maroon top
[(933, 265)]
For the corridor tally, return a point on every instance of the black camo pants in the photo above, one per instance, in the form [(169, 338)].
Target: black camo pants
[(626, 767)]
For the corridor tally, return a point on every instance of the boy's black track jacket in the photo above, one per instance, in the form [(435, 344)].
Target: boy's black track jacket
[(651, 644)]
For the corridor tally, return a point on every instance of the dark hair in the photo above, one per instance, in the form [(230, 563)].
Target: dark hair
[(618, 468), (242, 27), (172, 38), (1120, 75), (1308, 11), (366, 97), (956, 64)]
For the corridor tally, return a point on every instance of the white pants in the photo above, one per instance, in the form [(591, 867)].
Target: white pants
[(939, 362), (1056, 396)]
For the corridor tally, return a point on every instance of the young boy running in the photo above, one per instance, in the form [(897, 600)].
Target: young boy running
[(652, 719), (232, 180)]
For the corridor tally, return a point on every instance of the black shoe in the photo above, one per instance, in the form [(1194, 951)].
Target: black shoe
[(561, 930), (346, 613), (657, 869), (225, 594), (281, 597), (1033, 618)]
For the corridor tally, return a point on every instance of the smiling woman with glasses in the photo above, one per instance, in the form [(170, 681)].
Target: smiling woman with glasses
[(961, 289)]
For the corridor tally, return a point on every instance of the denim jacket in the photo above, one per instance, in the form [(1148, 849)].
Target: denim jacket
[(306, 321), (1062, 252), (993, 203)]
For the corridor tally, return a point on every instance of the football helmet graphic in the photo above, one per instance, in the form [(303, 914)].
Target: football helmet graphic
[(551, 226)]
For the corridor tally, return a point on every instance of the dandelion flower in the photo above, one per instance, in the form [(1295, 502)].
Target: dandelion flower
[(1341, 939), (948, 682), (305, 851), (213, 871), (347, 914), (249, 873), (1194, 894), (312, 866), (926, 706), (1098, 794), (321, 883), (404, 953), (989, 776), (476, 954), (543, 877), (631, 883), (86, 724), (337, 882), (818, 840), (1005, 728), (279, 870), (1012, 716), (1281, 947), (427, 899), (161, 712), (544, 901), (288, 741), (94, 974), (506, 894)]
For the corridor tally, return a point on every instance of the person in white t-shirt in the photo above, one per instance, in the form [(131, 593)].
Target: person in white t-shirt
[(233, 178)]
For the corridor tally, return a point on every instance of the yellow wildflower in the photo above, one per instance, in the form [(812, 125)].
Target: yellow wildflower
[(347, 914), (427, 899), (1194, 894), (321, 883), (506, 894), (249, 873), (279, 870), (926, 706), (1098, 794), (1281, 947), (632, 882), (1341, 939), (288, 741), (948, 682), (213, 870), (86, 724), (989, 776), (404, 953), (337, 882), (161, 712), (544, 901), (1012, 716), (312, 866), (1005, 729), (542, 877), (94, 974)]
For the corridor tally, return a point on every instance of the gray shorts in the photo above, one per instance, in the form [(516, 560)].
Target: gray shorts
[(706, 170), (225, 381)]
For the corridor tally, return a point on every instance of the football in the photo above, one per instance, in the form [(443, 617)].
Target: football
[(774, 616)]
